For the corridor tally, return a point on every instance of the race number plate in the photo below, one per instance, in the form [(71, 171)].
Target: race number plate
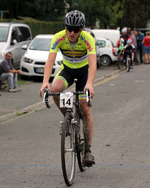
[(66, 100)]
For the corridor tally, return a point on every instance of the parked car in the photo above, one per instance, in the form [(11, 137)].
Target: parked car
[(12, 37), (106, 51), (35, 57), (109, 34)]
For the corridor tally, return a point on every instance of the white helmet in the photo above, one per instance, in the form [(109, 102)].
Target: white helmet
[(129, 41), (124, 30)]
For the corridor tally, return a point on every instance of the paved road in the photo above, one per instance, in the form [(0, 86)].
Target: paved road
[(12, 104), (30, 145)]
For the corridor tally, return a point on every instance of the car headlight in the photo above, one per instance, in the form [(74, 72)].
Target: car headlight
[(27, 60), (59, 62)]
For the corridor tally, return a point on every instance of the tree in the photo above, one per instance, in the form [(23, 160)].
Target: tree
[(135, 13), (110, 13)]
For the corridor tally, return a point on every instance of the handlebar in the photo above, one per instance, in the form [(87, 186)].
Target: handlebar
[(47, 93)]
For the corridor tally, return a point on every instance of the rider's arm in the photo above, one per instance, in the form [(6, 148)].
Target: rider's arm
[(49, 66), (118, 43), (48, 71), (92, 72)]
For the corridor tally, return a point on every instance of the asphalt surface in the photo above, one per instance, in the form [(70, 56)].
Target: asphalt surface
[(28, 99)]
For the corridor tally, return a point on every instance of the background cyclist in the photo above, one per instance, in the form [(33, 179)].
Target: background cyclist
[(129, 49), (124, 36), (79, 61)]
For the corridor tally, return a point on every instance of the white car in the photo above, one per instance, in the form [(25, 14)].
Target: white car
[(106, 51), (34, 59)]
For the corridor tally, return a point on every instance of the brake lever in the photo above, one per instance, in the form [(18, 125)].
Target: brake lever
[(45, 98)]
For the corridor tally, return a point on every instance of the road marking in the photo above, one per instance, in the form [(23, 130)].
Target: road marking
[(58, 165), (105, 80)]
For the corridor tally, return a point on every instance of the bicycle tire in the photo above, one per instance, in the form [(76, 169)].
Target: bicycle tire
[(128, 64), (68, 158), (81, 148)]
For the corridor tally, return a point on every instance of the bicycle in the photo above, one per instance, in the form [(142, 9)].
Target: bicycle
[(128, 60), (72, 137)]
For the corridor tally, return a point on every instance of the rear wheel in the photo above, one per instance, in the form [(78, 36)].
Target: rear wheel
[(68, 150)]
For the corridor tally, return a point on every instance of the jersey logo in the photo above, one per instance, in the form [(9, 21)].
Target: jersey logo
[(57, 41), (87, 43)]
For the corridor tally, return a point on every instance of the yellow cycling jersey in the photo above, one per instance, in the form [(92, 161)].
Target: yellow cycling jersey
[(77, 57)]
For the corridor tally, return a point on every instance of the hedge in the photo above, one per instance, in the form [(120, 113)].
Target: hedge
[(39, 27)]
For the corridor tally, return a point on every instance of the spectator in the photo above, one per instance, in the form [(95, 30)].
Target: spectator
[(146, 48), (140, 38), (7, 72), (134, 33), (129, 35)]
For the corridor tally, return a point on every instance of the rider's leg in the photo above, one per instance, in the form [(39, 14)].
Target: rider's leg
[(58, 85), (88, 131), (87, 123)]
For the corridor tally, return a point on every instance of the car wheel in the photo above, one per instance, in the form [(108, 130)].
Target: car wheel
[(105, 60)]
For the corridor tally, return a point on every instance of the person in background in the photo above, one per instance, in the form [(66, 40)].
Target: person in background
[(146, 48), (134, 33), (129, 34), (140, 38), (7, 72)]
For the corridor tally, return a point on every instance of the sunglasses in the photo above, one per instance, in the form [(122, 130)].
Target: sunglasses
[(76, 30)]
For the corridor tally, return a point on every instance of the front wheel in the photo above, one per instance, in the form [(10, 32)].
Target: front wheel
[(120, 62), (128, 64), (68, 158)]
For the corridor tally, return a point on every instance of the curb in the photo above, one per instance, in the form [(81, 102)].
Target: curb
[(41, 105)]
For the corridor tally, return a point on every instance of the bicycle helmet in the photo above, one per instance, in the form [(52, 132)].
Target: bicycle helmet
[(75, 18), (129, 41), (124, 30)]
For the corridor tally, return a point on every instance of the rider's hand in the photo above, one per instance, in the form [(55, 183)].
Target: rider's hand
[(90, 87), (44, 85)]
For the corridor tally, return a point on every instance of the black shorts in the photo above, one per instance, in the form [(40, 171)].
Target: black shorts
[(68, 75)]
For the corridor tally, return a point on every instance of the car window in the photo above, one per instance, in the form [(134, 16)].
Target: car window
[(3, 33), (24, 34), (42, 44), (101, 43)]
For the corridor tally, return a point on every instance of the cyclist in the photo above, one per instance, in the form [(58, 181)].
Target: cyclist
[(79, 61), (124, 36), (129, 49)]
